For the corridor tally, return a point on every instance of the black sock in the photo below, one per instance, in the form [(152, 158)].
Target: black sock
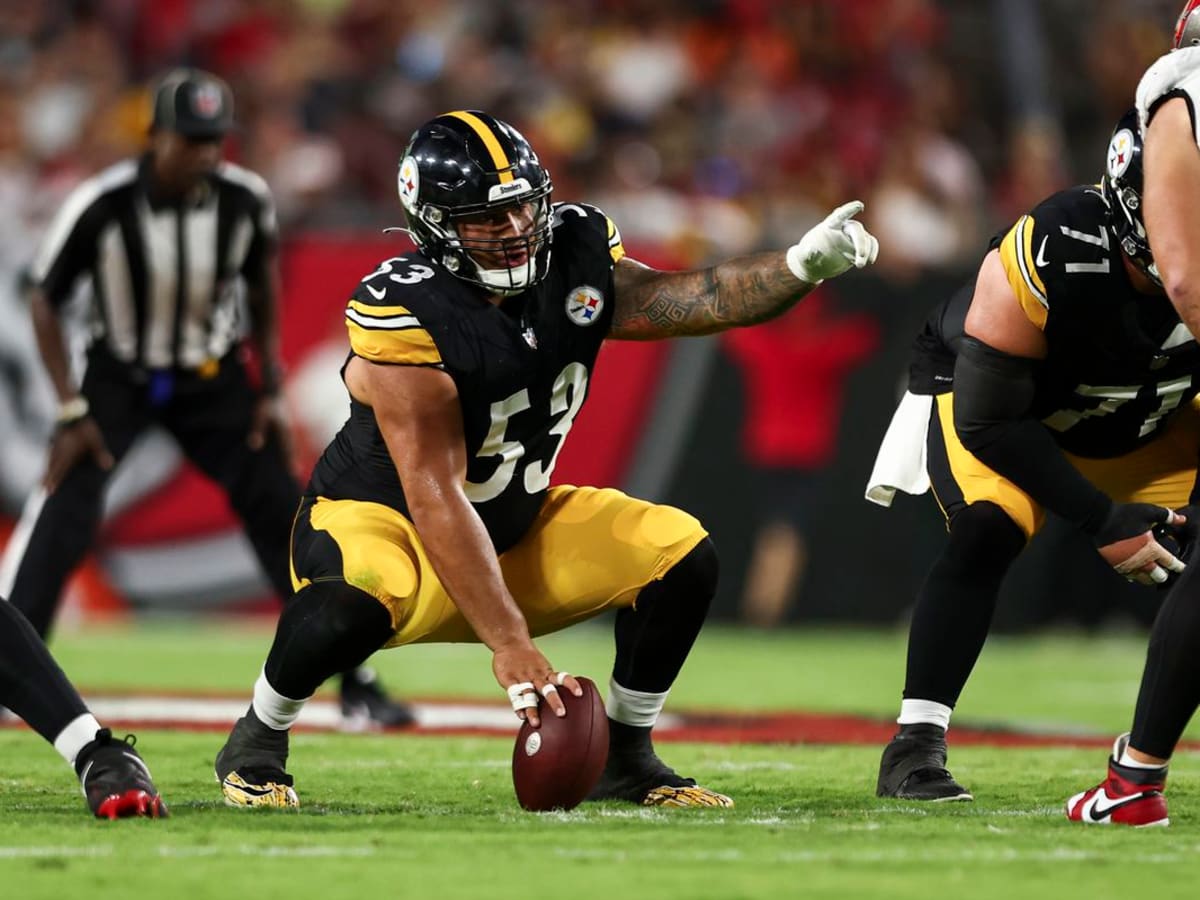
[(1170, 689), (655, 635), (326, 628), (956, 603), (31, 683), (628, 740)]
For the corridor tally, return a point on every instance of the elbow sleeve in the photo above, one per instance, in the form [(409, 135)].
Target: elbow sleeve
[(993, 392)]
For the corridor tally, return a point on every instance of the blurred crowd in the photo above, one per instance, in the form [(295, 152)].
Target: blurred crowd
[(706, 126)]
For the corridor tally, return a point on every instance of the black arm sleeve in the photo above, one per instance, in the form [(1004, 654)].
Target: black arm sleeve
[(993, 402)]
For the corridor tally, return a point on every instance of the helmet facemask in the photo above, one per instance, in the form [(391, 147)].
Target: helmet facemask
[(502, 265)]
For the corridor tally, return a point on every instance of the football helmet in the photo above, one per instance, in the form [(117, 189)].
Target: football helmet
[(466, 165), (1187, 28), (1122, 187)]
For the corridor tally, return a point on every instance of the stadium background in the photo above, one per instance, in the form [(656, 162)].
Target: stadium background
[(705, 129)]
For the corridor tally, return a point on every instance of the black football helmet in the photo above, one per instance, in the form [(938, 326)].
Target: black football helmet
[(1187, 29), (1122, 188), (465, 164)]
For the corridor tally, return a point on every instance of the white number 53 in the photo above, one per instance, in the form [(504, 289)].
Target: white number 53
[(565, 400)]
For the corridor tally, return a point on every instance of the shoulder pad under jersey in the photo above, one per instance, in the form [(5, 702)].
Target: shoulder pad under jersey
[(590, 222), (394, 311), (1064, 237)]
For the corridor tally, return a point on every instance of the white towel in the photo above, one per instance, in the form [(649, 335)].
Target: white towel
[(900, 464)]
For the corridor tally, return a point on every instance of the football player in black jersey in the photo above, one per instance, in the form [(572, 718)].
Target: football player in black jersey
[(1169, 220), (115, 781), (430, 516), (1062, 380)]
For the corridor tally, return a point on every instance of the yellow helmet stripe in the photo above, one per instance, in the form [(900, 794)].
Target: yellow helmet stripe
[(503, 166)]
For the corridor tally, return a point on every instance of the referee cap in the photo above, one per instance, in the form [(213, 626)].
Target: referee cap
[(192, 103)]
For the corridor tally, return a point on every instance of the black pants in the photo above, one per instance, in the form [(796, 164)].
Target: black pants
[(210, 418)]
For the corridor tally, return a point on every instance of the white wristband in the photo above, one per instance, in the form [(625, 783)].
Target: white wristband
[(71, 411)]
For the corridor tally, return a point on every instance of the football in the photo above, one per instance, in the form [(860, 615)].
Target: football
[(555, 765)]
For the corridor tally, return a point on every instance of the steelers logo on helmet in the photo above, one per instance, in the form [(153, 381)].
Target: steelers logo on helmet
[(408, 182), (1120, 153), (584, 305)]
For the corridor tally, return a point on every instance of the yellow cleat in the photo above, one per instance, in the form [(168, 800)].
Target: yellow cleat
[(277, 794), (691, 796)]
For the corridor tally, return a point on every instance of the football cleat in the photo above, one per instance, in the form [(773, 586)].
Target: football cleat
[(1129, 796), (115, 781), (913, 767), (365, 705), (646, 780), (250, 767)]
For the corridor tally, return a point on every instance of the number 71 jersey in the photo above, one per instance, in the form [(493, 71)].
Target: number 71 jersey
[(1119, 362), (521, 369)]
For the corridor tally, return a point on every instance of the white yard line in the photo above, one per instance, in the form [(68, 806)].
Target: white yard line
[(318, 714)]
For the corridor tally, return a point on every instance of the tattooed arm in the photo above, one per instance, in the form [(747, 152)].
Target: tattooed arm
[(650, 304)]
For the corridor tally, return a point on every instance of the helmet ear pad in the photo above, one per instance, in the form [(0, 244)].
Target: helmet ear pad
[(1122, 189)]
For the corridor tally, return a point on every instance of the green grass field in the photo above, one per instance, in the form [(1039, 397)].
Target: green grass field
[(412, 816)]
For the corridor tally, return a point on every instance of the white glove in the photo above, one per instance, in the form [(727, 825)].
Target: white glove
[(834, 246)]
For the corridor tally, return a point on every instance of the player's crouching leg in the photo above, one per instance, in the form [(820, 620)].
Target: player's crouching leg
[(653, 639), (327, 627)]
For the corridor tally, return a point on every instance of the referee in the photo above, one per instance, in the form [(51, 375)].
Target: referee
[(170, 243)]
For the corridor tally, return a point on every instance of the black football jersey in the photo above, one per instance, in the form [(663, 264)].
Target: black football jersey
[(521, 369), (1119, 362)]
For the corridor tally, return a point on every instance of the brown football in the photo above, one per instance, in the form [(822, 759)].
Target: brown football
[(555, 765)]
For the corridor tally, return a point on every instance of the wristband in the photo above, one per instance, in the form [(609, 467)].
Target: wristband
[(71, 411)]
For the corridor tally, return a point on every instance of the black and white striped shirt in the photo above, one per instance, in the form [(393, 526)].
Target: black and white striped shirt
[(166, 278)]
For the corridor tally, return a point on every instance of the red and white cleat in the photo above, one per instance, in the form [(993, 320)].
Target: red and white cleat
[(1129, 796)]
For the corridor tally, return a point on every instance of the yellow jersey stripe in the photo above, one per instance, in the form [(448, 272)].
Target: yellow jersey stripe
[(378, 312), (503, 166), (408, 346), (616, 249), (1017, 257)]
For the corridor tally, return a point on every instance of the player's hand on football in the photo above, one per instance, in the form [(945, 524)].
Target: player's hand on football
[(527, 676), (1126, 541), (70, 446), (833, 246)]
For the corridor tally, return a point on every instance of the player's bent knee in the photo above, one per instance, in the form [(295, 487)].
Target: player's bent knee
[(983, 529), (327, 627), (700, 569), (983, 517)]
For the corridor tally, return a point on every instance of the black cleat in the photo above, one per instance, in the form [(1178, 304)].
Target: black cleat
[(365, 705), (646, 780), (115, 780), (250, 767), (913, 767)]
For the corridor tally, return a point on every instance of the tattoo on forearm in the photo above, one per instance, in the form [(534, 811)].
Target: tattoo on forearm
[(742, 291)]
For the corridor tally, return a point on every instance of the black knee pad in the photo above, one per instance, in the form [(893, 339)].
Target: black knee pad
[(654, 637), (325, 628), (984, 534), (699, 570)]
